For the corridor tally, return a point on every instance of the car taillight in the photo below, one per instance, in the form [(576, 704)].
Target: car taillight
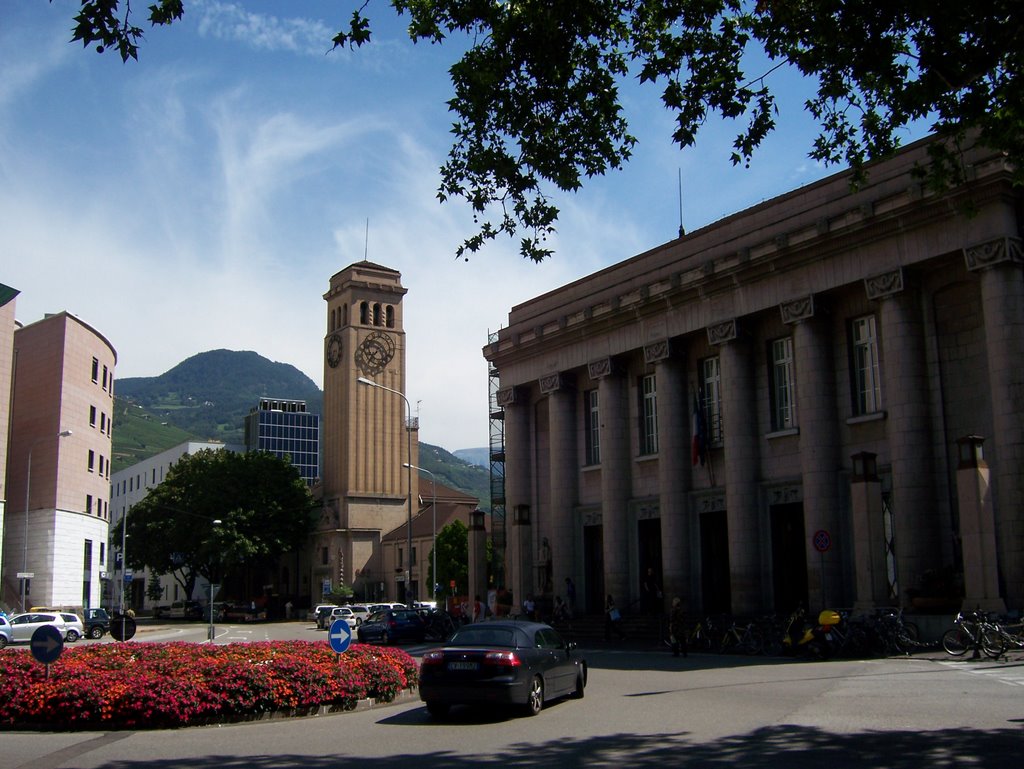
[(433, 658), (503, 659)]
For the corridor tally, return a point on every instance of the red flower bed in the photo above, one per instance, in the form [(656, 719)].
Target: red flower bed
[(154, 685)]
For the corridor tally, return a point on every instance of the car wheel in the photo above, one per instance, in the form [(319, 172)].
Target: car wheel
[(95, 632), (581, 685), (3, 641), (437, 709), (535, 699), (72, 636)]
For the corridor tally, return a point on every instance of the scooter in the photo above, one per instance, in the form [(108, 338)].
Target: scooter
[(813, 640)]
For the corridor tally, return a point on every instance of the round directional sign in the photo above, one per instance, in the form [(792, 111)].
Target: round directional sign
[(47, 644), (122, 627), (340, 635)]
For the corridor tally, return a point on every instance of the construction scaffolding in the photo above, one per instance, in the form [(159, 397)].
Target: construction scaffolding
[(496, 461)]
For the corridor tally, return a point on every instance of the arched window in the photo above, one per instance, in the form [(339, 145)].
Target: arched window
[(364, 313), (390, 314), (344, 314), (376, 314)]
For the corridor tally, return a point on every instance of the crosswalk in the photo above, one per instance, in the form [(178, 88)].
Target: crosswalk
[(1010, 672)]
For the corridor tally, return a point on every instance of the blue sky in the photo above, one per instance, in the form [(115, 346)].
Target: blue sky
[(202, 197)]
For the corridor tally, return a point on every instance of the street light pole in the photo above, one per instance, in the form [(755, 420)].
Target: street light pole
[(408, 467), (28, 487), (433, 539), (213, 630)]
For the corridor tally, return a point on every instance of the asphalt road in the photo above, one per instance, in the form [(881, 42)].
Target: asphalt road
[(643, 708)]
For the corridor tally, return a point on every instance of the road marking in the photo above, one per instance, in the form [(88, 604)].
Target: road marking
[(998, 671)]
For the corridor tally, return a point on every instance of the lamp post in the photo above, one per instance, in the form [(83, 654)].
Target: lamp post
[(433, 539), (408, 467), (28, 486), (124, 555), (215, 522)]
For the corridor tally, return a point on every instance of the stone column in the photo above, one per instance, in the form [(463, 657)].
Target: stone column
[(816, 418), (869, 560), (477, 558), (615, 476), (564, 484), (674, 471), (519, 555), (906, 398), (977, 528), (739, 420), (1002, 293)]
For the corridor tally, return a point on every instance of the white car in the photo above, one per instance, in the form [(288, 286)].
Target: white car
[(24, 625), (361, 611), (74, 628), (314, 613), (341, 612), (5, 631)]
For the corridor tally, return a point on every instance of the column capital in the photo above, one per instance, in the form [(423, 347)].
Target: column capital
[(797, 310), (722, 332), (509, 396), (551, 383), (999, 251), (656, 352), (603, 368), (885, 284)]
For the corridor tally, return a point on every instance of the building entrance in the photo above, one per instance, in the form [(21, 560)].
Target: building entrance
[(593, 569), (714, 563), (789, 557)]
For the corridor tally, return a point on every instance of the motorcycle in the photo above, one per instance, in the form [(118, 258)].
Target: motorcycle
[(814, 640)]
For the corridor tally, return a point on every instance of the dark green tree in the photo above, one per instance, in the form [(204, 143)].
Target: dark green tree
[(263, 506), (452, 558), (536, 91)]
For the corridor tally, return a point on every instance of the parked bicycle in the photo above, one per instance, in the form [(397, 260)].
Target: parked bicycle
[(1000, 636), (969, 632)]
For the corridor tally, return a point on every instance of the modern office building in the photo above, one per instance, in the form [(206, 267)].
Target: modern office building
[(8, 323), (58, 468), (129, 487), (814, 401), (287, 430)]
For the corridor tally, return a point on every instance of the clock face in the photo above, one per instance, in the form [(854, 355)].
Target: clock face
[(375, 353), (334, 351)]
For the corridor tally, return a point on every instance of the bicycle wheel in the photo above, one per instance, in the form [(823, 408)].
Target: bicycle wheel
[(957, 641), (993, 643)]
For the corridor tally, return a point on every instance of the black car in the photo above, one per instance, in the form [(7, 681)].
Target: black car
[(523, 664), (393, 625), (96, 621)]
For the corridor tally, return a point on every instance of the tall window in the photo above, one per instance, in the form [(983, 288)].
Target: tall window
[(711, 399), (867, 385), (92, 416), (92, 461), (783, 384), (593, 427), (648, 414), (95, 370)]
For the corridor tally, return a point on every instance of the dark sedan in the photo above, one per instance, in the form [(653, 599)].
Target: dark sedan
[(391, 626), (502, 663)]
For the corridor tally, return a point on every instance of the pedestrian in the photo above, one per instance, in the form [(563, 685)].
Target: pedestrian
[(288, 610), (677, 628), (612, 620), (650, 593), (570, 595), (530, 608), (561, 611)]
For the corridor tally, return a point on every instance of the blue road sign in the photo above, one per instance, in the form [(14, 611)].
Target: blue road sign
[(47, 644), (340, 635)]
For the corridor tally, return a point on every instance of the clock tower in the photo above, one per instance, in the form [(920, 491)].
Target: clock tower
[(366, 435)]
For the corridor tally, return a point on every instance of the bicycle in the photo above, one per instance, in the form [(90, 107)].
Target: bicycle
[(998, 637), (969, 632), (745, 639)]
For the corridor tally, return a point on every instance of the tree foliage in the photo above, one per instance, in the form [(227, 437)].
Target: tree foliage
[(452, 558), (536, 95), (263, 505)]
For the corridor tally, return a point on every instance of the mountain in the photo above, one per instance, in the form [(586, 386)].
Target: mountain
[(479, 456), (207, 397)]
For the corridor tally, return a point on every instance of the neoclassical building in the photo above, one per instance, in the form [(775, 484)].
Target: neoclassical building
[(817, 401)]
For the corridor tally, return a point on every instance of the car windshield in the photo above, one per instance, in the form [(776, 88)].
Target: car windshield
[(484, 636)]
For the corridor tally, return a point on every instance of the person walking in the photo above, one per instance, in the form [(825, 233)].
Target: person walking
[(677, 628), (612, 620), (570, 595)]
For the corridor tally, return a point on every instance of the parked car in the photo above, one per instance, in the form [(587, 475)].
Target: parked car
[(96, 621), (340, 612), (5, 632), (523, 664), (361, 611), (314, 613), (74, 628), (391, 626), (321, 614), (24, 625)]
